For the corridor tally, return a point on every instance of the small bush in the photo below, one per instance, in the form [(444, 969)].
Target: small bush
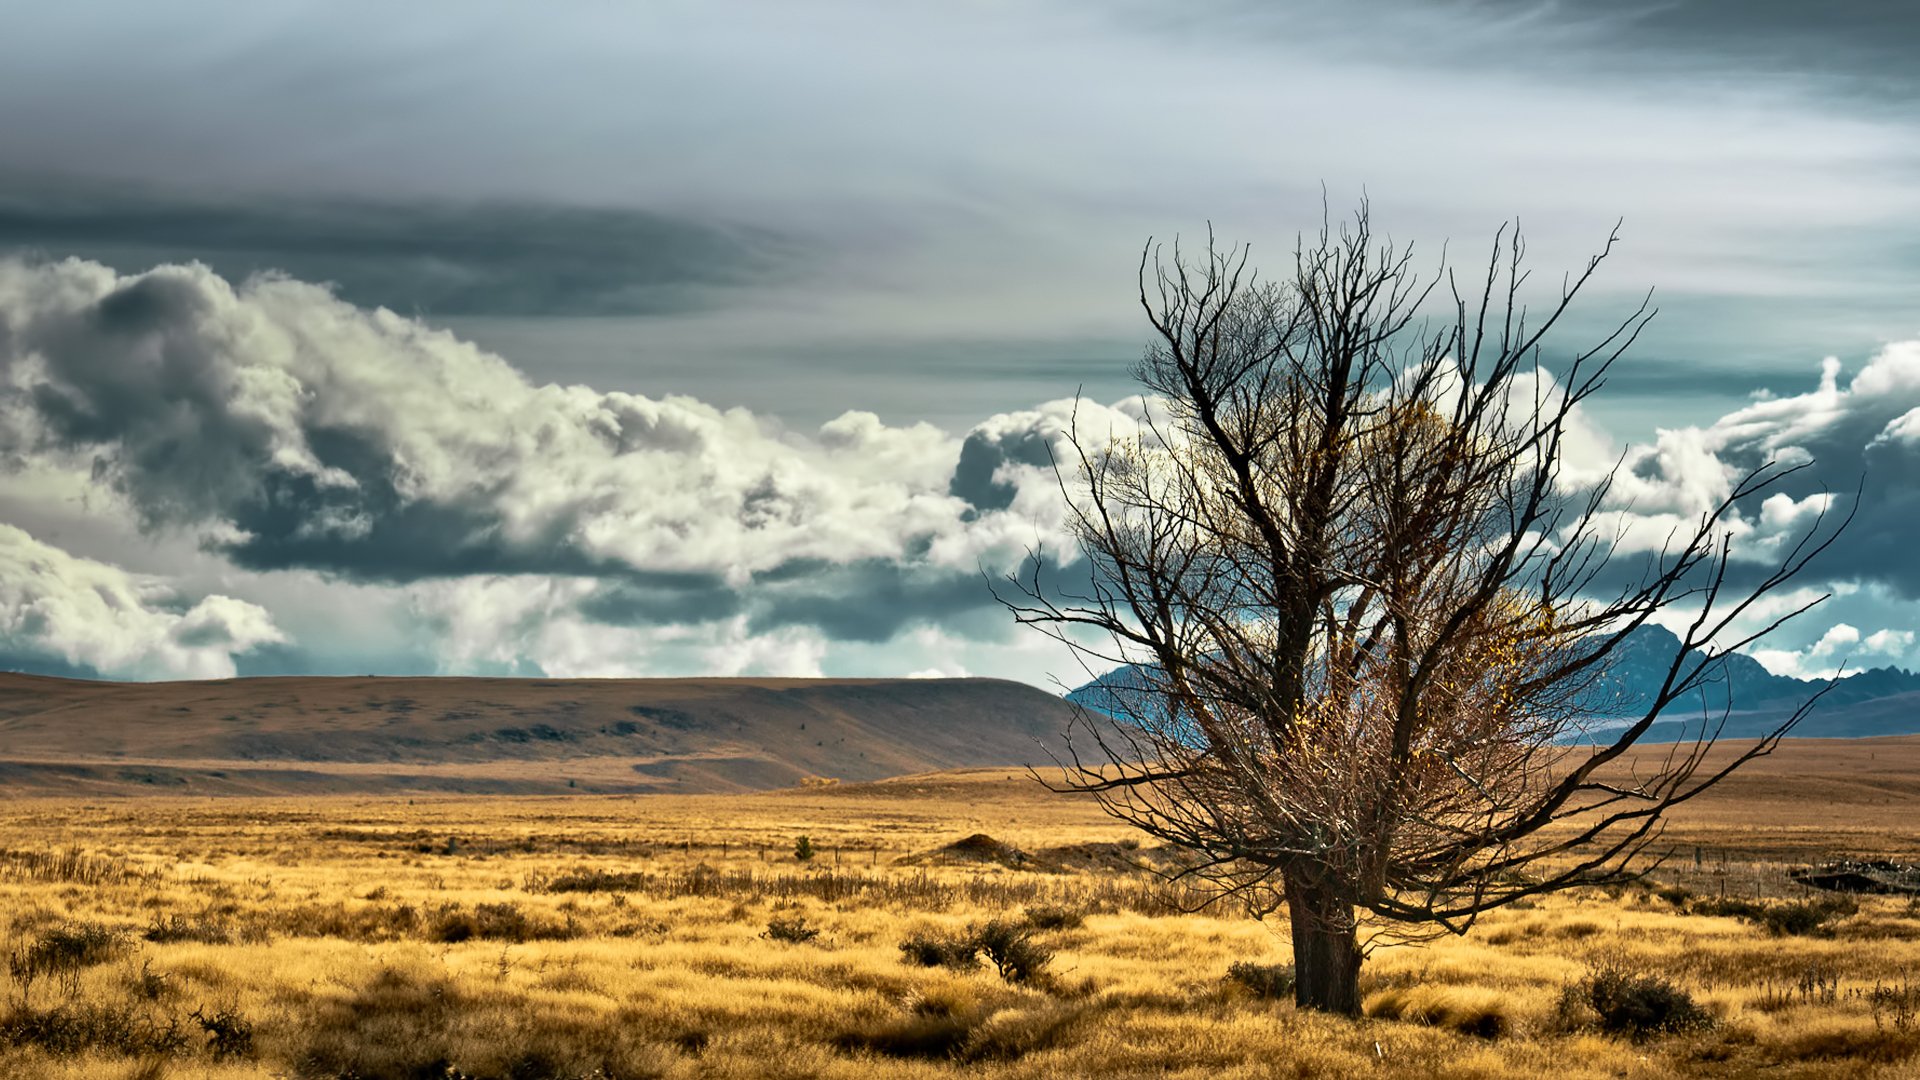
[(167, 929), (77, 1028), (1054, 918), (493, 922), (936, 950), (1012, 951), (794, 931), (592, 881), (1677, 895), (229, 1034), (1797, 918), (803, 849), (1264, 980), (63, 952), (1638, 1005)]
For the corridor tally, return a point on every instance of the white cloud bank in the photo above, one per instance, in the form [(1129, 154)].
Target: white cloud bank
[(89, 616), (559, 529)]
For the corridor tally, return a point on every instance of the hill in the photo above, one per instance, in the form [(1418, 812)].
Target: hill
[(294, 735), (1864, 704)]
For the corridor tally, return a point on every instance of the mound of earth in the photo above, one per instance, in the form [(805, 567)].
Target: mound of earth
[(1123, 855), (978, 850)]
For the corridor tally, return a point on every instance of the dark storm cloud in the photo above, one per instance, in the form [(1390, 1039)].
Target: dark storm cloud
[(979, 477), (662, 599), (441, 258)]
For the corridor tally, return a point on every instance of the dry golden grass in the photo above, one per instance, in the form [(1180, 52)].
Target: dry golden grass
[(603, 937)]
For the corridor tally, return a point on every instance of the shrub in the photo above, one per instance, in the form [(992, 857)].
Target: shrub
[(229, 1034), (63, 952), (1801, 917), (591, 881), (1793, 917), (1054, 918), (165, 930), (1677, 895), (794, 931), (77, 1028), (937, 950), (1011, 949), (493, 922), (1264, 980), (803, 849), (1638, 1005)]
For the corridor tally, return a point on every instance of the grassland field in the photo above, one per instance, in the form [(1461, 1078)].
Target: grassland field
[(680, 936)]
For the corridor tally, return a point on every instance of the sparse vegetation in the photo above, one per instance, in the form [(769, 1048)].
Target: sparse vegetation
[(1011, 949), (1263, 980), (941, 950), (617, 939), (1797, 917), (793, 931), (1633, 1002)]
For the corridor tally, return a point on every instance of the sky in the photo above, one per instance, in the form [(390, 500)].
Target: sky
[(730, 338)]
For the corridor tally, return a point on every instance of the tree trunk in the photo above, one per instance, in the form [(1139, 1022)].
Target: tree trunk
[(1326, 953)]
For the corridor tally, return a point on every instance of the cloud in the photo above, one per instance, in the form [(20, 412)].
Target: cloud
[(287, 429), (1841, 644), (1850, 432), (560, 529), (491, 257), (83, 617)]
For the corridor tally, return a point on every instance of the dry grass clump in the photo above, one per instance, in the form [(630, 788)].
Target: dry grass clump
[(1483, 1014)]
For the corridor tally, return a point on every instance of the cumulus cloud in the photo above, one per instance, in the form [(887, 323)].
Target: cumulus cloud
[(285, 428), (1841, 645), (1853, 435), (563, 530), (84, 617)]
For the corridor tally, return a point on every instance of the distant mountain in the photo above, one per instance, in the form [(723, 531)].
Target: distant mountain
[(1877, 701), (291, 735)]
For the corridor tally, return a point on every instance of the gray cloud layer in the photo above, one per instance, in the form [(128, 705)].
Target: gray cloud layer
[(441, 258)]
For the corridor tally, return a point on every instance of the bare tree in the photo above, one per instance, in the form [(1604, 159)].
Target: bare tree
[(1369, 610)]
